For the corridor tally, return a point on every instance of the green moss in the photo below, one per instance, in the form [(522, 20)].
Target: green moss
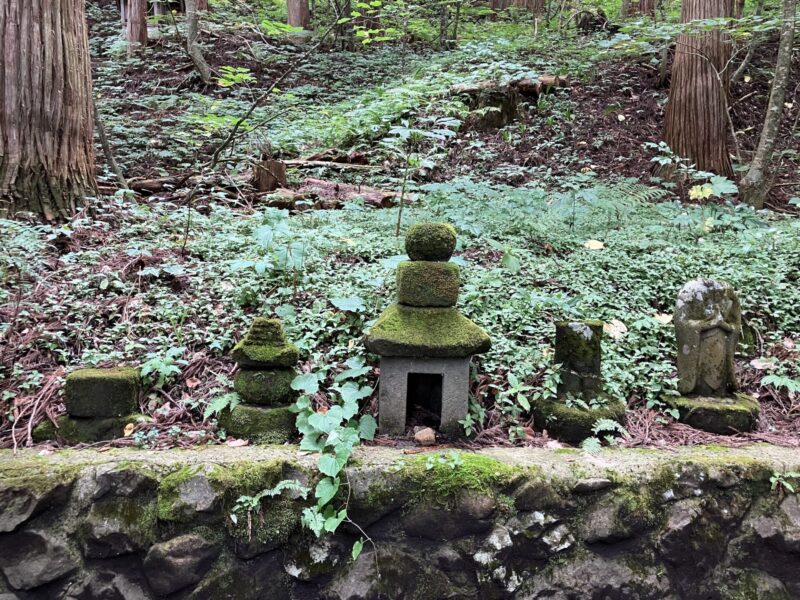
[(477, 475), (169, 493), (85, 431), (430, 241), (264, 356), (259, 425), (717, 415), (573, 423), (578, 351), (136, 518), (427, 332), (265, 346), (102, 392), (269, 388), (427, 283)]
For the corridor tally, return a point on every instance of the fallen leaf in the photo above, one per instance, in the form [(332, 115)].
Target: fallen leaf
[(593, 244), (553, 444), (620, 118), (747, 78), (789, 344), (192, 382), (46, 452), (128, 431), (762, 364), (663, 318), (236, 443), (615, 329)]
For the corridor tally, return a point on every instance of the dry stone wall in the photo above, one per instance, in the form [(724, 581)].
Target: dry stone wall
[(522, 523)]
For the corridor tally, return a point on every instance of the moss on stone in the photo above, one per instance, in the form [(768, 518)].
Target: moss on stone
[(102, 392), (169, 493), (136, 518), (717, 415), (85, 431), (427, 283), (259, 425), (476, 475), (430, 241), (270, 387), (578, 349), (265, 346), (573, 423), (427, 332)]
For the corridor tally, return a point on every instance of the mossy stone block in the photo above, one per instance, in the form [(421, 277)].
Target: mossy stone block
[(102, 392), (426, 332), (265, 346), (430, 241), (85, 431), (270, 387), (574, 424), (579, 351), (259, 424), (427, 283), (727, 415)]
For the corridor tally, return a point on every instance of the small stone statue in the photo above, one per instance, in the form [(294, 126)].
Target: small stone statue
[(708, 321), (707, 325)]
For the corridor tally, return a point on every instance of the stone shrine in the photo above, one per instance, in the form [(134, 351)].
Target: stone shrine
[(708, 321), (424, 343), (580, 400), (266, 369)]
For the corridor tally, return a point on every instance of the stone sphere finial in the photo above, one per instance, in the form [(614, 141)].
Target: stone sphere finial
[(430, 241)]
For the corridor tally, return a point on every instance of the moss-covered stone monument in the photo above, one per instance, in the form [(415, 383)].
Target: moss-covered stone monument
[(266, 360), (708, 321), (100, 404), (580, 400), (425, 344)]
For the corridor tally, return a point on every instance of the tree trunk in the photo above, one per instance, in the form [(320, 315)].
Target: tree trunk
[(202, 5), (123, 13), (696, 124), (192, 47), (269, 175), (299, 14), (46, 147), (647, 8), (753, 186), (136, 31)]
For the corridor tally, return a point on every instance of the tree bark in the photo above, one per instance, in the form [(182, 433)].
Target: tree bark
[(299, 14), (136, 30), (202, 5), (46, 147), (696, 119), (192, 47), (753, 186)]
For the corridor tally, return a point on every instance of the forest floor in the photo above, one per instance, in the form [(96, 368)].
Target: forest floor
[(172, 279)]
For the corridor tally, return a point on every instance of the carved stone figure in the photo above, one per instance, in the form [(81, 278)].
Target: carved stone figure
[(707, 325), (708, 321)]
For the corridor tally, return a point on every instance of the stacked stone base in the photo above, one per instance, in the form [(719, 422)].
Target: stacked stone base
[(574, 423), (726, 416), (101, 406)]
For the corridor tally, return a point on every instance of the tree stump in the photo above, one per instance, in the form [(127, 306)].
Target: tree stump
[(269, 175), (494, 104)]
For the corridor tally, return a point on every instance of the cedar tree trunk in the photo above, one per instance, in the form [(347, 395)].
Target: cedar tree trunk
[(754, 184), (299, 14), (192, 47), (46, 146), (696, 125), (136, 31)]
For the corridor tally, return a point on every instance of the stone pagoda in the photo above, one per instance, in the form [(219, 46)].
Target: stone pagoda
[(708, 321), (424, 343), (266, 369)]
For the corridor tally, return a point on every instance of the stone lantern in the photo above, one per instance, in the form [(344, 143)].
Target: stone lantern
[(424, 343)]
